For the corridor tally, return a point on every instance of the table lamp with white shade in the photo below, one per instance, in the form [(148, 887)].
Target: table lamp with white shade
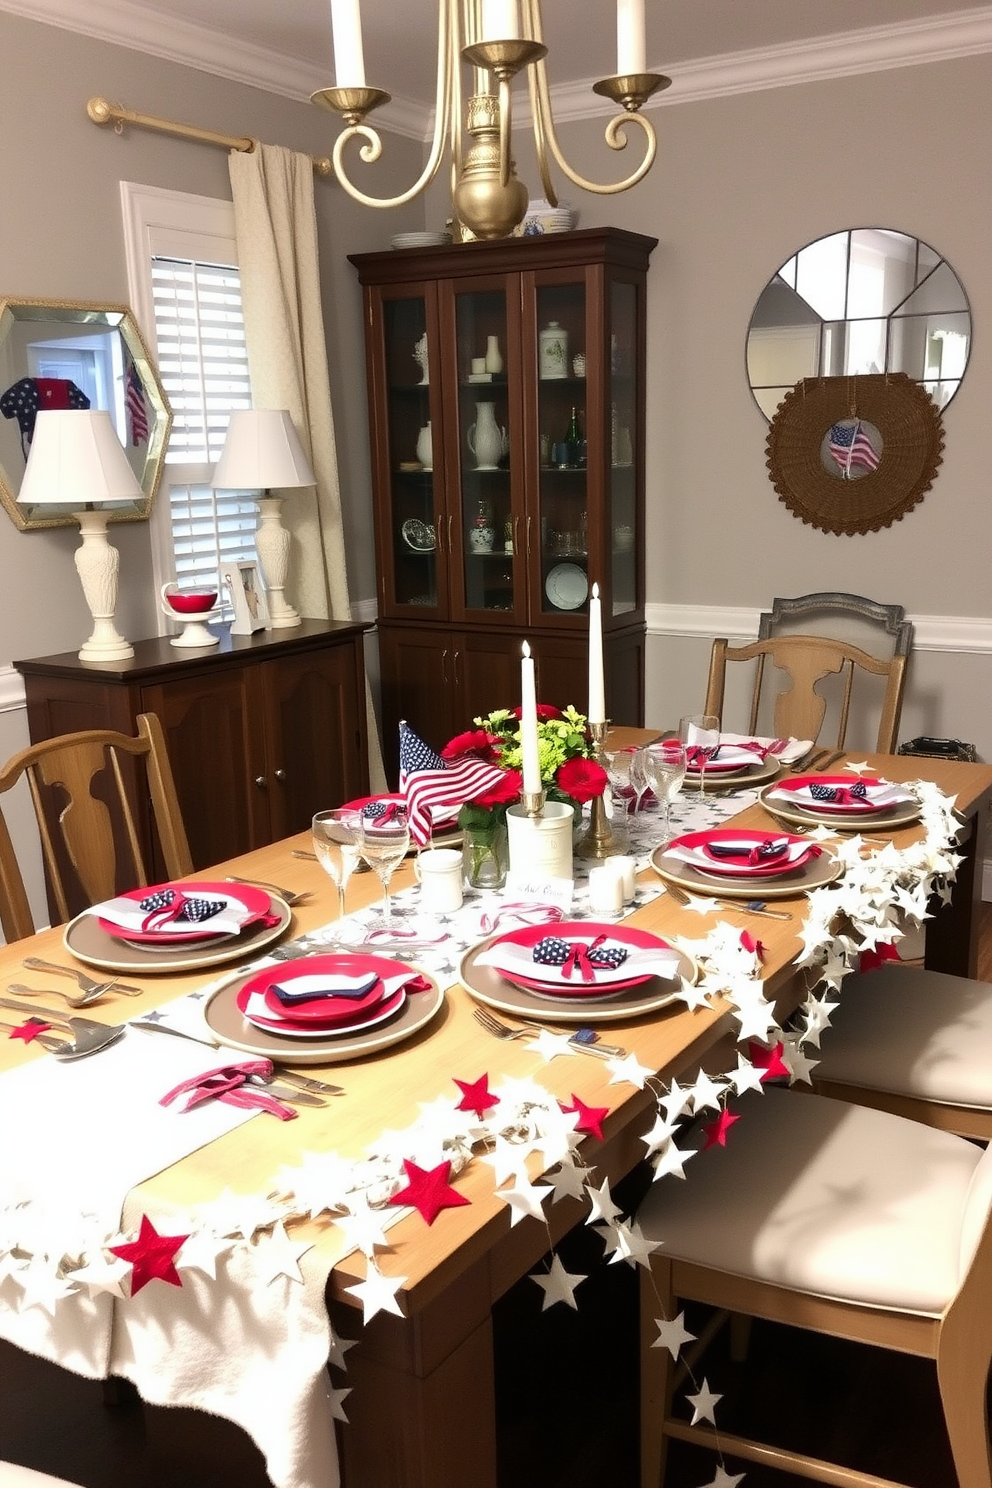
[(263, 450), (76, 460)]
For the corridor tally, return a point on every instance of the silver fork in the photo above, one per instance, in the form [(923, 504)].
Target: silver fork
[(286, 895), (742, 906), (84, 982), (502, 1030)]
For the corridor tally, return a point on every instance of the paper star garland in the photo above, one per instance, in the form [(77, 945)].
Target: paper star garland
[(151, 1256), (629, 1071), (279, 1256), (428, 1190), (870, 959), (590, 1117), (377, 1293), (724, 1479), (569, 1181), (202, 1251), (525, 1198), (601, 1205), (558, 1285), (769, 1061), (29, 1031), (672, 1334), (703, 1404), (476, 1096), (716, 1131)]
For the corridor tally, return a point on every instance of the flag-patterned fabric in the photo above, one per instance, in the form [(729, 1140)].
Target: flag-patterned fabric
[(29, 396), (851, 447), (134, 400), (435, 789)]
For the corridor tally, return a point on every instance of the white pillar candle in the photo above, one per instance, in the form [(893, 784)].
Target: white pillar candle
[(349, 58), (631, 48), (528, 724), (499, 20), (597, 693), (605, 890)]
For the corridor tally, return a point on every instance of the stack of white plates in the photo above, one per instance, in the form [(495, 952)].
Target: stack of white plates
[(542, 217), (419, 239)]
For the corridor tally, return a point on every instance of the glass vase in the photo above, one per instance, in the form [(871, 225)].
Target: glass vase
[(485, 856)]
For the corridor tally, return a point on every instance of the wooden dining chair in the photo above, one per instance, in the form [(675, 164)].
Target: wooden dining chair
[(799, 708), (91, 803), (12, 1476), (837, 1219), (915, 1042)]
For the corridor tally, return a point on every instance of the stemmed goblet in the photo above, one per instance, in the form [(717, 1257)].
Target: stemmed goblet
[(664, 766), (700, 733), (337, 840), (385, 842)]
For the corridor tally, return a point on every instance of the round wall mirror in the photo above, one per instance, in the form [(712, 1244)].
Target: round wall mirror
[(55, 354), (859, 303)]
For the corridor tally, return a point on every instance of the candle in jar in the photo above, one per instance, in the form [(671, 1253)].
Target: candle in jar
[(349, 58), (597, 693), (499, 20), (631, 49), (530, 750)]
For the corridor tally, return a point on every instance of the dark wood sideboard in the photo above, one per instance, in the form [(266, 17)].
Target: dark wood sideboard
[(262, 731)]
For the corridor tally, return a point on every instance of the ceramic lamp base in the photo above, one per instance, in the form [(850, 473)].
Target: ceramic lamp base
[(98, 564)]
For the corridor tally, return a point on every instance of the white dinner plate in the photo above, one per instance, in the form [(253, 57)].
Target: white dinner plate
[(567, 586)]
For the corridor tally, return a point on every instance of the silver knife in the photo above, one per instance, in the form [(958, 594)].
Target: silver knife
[(301, 1082), (288, 1093)]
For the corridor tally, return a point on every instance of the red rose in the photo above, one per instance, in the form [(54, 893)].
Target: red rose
[(582, 779), (505, 791), (475, 741), (544, 711)]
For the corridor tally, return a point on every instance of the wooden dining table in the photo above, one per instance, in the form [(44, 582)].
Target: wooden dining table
[(434, 1365)]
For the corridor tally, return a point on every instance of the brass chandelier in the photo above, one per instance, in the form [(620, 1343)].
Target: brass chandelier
[(497, 40)]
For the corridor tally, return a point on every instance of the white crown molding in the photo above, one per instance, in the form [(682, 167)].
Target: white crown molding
[(960, 634), (12, 696), (964, 33)]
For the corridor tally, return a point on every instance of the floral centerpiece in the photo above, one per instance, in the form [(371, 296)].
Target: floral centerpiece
[(568, 774)]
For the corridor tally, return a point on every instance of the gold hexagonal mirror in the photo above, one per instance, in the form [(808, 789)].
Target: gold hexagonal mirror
[(63, 354)]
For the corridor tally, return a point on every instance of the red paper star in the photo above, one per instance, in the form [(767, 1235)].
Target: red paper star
[(751, 944), (428, 1190), (871, 960), (590, 1117), (30, 1030), (716, 1131), (769, 1060), (150, 1256), (476, 1096)]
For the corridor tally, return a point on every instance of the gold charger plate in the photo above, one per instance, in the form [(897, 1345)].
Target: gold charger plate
[(86, 938), (861, 821), (812, 875), (487, 985), (717, 780), (226, 1023)]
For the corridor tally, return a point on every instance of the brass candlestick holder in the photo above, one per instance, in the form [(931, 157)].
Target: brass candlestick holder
[(599, 839), (533, 802)]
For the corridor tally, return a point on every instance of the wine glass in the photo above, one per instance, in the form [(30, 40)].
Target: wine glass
[(700, 733), (385, 841), (664, 766), (337, 840), (639, 779)]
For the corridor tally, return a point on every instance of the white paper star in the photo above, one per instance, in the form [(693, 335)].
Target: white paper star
[(757, 1020), (277, 1255), (672, 1334), (365, 1230), (632, 1245), (42, 1287), (724, 1479), (524, 1198), (601, 1205), (336, 1400), (672, 1161), (99, 1275), (629, 1071), (549, 1045), (662, 1132), (703, 906), (705, 1093), (799, 1063), (339, 1347), (569, 1181), (507, 1160), (703, 1404), (745, 1076), (676, 1102), (377, 1293), (558, 1285)]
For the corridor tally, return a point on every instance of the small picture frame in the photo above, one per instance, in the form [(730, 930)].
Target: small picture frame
[(244, 584)]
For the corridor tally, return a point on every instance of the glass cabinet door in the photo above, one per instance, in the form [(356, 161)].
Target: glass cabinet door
[(624, 403), (414, 515), (563, 487), (488, 435)]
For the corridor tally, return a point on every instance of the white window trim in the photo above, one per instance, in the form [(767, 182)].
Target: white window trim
[(161, 222)]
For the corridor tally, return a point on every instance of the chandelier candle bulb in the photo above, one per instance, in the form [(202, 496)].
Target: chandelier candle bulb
[(349, 57), (499, 20), (596, 711), (631, 45), (530, 753)]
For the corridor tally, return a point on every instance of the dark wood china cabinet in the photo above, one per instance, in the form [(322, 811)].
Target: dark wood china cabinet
[(506, 410)]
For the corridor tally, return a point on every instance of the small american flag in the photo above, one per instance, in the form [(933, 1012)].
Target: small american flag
[(134, 399), (436, 790), (850, 447)]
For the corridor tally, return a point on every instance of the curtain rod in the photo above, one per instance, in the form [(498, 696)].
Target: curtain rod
[(102, 112)]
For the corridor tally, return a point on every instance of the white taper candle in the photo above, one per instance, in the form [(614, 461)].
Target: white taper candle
[(499, 20), (349, 58), (631, 45), (530, 750), (596, 712)]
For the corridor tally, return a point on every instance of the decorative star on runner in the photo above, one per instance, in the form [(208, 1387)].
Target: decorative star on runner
[(769, 1061), (30, 1030), (476, 1096), (428, 1190), (590, 1117), (716, 1131), (151, 1256)]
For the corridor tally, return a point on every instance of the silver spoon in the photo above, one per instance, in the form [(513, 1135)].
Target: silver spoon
[(83, 1000)]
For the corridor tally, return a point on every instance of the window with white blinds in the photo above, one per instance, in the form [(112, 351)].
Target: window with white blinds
[(200, 340)]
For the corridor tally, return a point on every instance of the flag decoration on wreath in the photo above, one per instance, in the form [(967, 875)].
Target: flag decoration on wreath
[(851, 447), (435, 789)]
